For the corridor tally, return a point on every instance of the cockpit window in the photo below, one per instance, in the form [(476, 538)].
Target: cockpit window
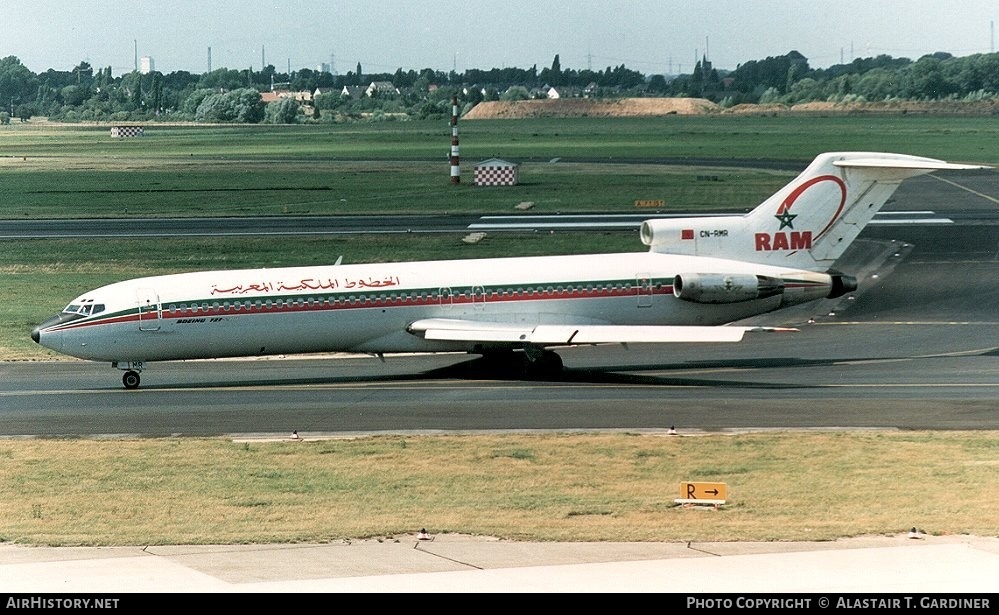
[(88, 308)]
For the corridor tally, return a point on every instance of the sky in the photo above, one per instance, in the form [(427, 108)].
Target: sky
[(648, 36)]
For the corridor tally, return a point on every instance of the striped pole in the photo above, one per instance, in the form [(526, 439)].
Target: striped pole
[(455, 167)]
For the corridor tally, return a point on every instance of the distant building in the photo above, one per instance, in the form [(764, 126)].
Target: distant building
[(124, 132), (496, 172), (381, 87), (146, 65), (352, 91)]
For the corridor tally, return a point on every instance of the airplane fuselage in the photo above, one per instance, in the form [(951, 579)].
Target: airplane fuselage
[(367, 308)]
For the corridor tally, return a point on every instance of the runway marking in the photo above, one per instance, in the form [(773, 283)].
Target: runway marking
[(916, 385), (966, 189), (918, 323), (728, 386), (871, 361)]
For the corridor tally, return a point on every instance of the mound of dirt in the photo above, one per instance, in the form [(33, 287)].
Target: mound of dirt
[(589, 107), (942, 107), (651, 107)]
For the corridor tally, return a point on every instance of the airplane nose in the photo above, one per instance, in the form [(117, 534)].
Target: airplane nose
[(36, 333)]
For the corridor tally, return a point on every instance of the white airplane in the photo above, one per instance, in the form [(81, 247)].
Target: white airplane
[(699, 275)]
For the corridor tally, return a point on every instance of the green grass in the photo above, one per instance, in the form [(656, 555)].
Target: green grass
[(52, 171), (545, 487), (354, 187)]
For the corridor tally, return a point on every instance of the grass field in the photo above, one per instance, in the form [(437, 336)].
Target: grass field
[(544, 487), (800, 486), (404, 166)]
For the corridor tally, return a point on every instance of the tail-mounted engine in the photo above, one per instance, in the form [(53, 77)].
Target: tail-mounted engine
[(792, 288), (725, 287)]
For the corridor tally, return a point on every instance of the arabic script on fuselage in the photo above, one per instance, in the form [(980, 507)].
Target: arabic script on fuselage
[(305, 284)]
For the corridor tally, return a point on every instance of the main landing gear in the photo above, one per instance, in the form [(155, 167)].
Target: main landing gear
[(532, 363), (542, 364)]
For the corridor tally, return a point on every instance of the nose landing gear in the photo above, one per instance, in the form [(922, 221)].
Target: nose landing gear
[(130, 379), (131, 376)]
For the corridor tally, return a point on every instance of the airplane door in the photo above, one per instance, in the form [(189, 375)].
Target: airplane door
[(150, 310), (446, 297), (643, 290), (478, 297)]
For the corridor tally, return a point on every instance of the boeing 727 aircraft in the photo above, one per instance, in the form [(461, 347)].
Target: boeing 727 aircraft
[(698, 275)]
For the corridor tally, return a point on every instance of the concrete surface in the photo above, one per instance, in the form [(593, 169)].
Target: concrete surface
[(914, 564)]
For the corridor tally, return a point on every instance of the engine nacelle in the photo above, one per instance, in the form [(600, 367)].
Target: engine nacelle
[(841, 284), (725, 287), (719, 236)]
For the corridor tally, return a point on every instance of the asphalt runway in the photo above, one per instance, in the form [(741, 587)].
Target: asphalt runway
[(915, 347)]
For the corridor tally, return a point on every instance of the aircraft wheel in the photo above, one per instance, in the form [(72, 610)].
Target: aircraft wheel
[(547, 365), (130, 380), (552, 362)]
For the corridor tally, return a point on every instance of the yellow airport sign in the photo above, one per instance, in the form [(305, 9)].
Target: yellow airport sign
[(709, 493)]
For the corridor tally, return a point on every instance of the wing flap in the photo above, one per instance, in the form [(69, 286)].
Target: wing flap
[(564, 335)]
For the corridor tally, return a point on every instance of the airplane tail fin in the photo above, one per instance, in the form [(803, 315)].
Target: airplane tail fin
[(808, 223)]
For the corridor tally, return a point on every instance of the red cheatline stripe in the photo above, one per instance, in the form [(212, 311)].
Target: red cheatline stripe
[(363, 302)]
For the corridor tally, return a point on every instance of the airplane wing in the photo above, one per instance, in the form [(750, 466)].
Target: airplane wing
[(566, 335)]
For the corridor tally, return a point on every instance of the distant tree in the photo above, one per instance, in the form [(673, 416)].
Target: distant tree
[(84, 73), (74, 95), (876, 85), (657, 83), (223, 79), (474, 96), (556, 72), (516, 92), (281, 111), (770, 96), (135, 97), (926, 79), (16, 82), (242, 106), (804, 90), (24, 112), (157, 94)]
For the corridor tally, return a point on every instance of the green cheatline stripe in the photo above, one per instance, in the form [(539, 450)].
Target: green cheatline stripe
[(423, 296)]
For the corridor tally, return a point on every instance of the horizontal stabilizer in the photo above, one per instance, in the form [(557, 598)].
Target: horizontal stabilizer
[(912, 162), (564, 335)]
